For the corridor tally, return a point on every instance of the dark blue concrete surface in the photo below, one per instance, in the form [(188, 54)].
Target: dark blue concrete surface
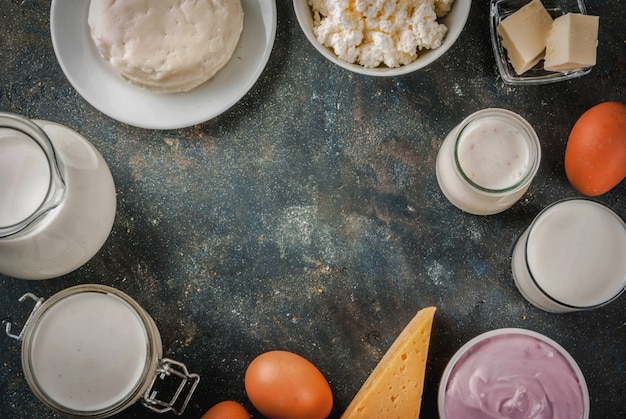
[(308, 217)]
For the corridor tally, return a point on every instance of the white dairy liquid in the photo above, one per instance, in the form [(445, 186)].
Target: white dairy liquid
[(575, 253), (493, 153), (24, 176), (89, 351), (67, 236), (487, 162)]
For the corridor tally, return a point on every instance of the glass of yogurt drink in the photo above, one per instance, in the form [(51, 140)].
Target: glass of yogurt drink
[(513, 373), (572, 257), (488, 161)]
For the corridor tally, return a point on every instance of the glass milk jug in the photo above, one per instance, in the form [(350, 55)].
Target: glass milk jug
[(57, 199)]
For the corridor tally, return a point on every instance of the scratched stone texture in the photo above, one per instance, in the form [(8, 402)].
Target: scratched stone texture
[(308, 217)]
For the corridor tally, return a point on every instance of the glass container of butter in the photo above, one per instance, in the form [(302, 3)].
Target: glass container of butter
[(92, 351), (500, 10)]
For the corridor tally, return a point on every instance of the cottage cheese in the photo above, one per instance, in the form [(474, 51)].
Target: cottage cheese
[(375, 32)]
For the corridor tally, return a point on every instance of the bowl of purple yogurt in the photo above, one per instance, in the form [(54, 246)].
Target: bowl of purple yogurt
[(513, 373)]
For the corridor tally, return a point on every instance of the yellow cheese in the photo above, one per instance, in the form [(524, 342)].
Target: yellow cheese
[(524, 35), (394, 389), (572, 42)]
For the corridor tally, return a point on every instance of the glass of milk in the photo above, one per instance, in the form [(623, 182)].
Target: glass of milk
[(57, 199), (92, 351), (488, 161), (572, 257)]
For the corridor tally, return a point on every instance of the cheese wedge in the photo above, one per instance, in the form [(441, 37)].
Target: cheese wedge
[(394, 389)]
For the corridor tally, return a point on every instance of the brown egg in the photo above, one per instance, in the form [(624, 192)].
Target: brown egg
[(595, 156), (227, 410), (283, 385)]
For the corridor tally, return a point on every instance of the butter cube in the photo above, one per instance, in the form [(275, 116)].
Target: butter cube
[(572, 42), (524, 35)]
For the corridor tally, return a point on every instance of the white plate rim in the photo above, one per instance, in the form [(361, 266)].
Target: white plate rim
[(98, 83)]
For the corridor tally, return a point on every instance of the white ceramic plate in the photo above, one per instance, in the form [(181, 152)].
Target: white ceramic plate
[(97, 82)]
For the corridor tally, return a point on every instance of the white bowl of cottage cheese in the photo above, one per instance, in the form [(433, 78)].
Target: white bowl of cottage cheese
[(382, 37)]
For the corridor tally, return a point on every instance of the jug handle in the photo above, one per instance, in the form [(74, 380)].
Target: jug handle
[(38, 303)]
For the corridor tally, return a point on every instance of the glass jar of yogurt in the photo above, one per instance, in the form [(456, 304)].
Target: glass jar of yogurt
[(57, 199), (488, 161), (92, 351), (513, 373)]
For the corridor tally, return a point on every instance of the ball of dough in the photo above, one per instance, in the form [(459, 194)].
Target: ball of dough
[(166, 45)]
